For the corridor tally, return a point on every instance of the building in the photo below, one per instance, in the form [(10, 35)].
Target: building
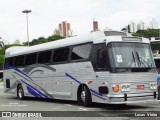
[(64, 29), (95, 25), (141, 26), (3, 42), (17, 42), (153, 24), (132, 27)]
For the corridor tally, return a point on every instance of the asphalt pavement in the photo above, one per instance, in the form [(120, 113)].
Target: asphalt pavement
[(60, 109)]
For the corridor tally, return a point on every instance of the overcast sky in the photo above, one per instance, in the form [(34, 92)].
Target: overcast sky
[(47, 14)]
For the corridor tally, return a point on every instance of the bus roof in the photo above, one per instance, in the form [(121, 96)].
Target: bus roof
[(155, 39), (95, 37), (157, 57)]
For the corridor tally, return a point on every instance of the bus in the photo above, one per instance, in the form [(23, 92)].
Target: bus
[(157, 62), (155, 46), (109, 67)]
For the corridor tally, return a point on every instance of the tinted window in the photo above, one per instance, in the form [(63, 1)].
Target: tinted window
[(19, 61), (9, 61), (61, 55), (81, 52), (44, 57), (1, 75), (101, 58), (31, 59), (157, 61)]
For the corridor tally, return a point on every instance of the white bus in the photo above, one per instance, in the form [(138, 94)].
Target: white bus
[(104, 67), (155, 46)]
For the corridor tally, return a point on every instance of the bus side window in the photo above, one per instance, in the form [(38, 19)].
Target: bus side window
[(101, 59), (44, 57), (61, 55), (81, 52), (19, 61), (31, 59), (9, 61)]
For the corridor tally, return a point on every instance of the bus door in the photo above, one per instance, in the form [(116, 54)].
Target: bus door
[(101, 65)]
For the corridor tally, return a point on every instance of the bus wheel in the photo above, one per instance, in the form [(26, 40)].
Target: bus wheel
[(86, 96), (20, 92)]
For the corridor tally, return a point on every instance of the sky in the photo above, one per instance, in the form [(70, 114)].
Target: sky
[(47, 14)]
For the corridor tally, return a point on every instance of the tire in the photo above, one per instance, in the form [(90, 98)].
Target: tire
[(20, 92), (85, 97)]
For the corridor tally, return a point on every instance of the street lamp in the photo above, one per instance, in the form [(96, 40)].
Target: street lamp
[(27, 11)]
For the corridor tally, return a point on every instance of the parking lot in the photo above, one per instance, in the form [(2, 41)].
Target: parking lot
[(61, 108)]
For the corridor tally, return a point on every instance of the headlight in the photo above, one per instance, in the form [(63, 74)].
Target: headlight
[(125, 87), (153, 86)]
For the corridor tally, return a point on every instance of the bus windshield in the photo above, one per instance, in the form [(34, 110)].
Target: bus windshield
[(130, 55)]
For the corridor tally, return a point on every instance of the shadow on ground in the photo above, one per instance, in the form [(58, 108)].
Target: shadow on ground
[(112, 107)]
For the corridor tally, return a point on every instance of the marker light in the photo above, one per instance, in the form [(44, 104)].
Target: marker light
[(125, 87), (115, 88)]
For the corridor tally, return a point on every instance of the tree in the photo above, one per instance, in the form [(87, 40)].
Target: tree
[(2, 53), (1, 61), (54, 37), (147, 33), (41, 40)]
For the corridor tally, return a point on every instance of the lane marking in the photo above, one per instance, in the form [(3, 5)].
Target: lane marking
[(68, 105), (83, 109), (103, 114)]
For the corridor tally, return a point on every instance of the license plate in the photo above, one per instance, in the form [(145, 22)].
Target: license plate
[(140, 86)]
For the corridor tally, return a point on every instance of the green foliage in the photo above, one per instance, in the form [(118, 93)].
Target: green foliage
[(2, 53), (2, 50), (1, 60), (41, 40), (54, 37), (147, 33)]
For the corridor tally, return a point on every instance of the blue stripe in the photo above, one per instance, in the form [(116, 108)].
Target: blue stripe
[(35, 89), (32, 92), (73, 78), (93, 91), (11, 67)]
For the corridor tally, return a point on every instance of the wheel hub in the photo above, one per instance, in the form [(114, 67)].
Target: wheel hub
[(83, 96), (20, 93)]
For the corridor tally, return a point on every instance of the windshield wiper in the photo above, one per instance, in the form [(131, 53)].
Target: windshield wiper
[(133, 56), (138, 58), (133, 61), (142, 61)]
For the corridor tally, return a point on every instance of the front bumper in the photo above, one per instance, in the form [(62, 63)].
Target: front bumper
[(133, 98)]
